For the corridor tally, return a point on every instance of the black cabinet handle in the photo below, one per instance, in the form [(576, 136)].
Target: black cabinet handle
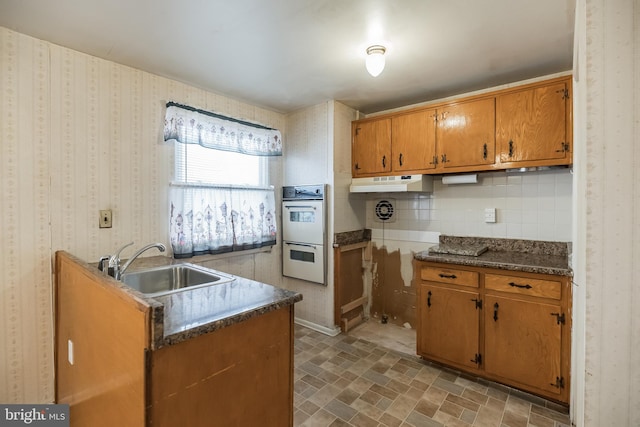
[(484, 152), (429, 299), (515, 285), (495, 312), (400, 159), (384, 161), (510, 148), (448, 276)]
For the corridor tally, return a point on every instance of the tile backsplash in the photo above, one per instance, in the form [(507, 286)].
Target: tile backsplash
[(531, 205)]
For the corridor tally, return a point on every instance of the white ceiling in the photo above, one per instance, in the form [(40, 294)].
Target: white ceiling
[(289, 54)]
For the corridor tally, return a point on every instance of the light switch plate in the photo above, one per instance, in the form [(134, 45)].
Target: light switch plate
[(490, 215), (70, 351), (105, 219)]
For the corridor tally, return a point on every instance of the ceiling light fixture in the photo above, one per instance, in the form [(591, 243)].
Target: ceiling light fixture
[(375, 59)]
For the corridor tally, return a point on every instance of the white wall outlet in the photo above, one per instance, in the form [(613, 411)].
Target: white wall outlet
[(490, 215), (70, 351), (105, 219)]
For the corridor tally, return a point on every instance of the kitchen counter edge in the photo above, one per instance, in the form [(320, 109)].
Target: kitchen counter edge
[(282, 298)]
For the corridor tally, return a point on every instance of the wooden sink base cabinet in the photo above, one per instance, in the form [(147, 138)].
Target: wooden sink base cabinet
[(115, 367), (506, 326)]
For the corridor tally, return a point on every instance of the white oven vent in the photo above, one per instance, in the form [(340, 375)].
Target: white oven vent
[(385, 210), (393, 184)]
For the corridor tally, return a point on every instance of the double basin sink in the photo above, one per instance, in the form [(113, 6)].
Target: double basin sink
[(159, 281)]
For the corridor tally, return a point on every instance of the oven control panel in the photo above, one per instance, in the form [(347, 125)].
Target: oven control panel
[(303, 192)]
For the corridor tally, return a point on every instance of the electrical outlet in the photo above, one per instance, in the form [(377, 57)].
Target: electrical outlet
[(105, 219), (70, 352), (490, 215)]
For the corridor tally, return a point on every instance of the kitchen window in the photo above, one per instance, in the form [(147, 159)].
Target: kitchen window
[(219, 200), (198, 165)]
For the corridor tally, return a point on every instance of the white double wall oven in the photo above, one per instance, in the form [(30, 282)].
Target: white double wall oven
[(303, 233)]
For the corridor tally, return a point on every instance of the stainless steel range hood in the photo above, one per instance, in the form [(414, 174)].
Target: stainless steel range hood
[(393, 184)]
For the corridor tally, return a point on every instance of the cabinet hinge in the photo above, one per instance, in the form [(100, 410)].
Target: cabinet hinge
[(564, 147), (564, 92), (477, 359), (559, 382), (478, 303), (560, 318), (357, 131)]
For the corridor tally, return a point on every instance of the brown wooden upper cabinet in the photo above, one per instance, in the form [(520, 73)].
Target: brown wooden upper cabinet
[(401, 144), (466, 134), (523, 126), (371, 149), (413, 141), (533, 125)]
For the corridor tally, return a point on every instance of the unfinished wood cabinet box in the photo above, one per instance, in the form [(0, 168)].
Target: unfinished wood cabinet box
[(349, 298), (507, 326)]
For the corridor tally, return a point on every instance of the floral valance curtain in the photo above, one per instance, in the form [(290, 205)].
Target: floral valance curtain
[(206, 220), (193, 126)]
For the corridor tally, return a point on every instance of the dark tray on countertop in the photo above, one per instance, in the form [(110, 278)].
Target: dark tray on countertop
[(467, 250)]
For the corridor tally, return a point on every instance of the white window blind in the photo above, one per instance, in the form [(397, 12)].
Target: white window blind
[(198, 165)]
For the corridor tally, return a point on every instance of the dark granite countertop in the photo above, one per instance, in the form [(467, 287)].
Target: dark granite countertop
[(187, 314), (529, 256), (351, 237)]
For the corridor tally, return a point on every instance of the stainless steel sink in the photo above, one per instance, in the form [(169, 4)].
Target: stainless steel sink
[(173, 278)]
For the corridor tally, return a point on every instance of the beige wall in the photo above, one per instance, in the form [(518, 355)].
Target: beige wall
[(81, 134), (607, 216), (318, 151)]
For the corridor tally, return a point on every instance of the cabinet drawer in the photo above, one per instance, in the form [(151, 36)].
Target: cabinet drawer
[(450, 275), (524, 286)]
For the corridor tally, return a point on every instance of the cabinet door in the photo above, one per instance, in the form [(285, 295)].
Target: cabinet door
[(466, 134), (531, 124), (448, 327), (371, 147), (413, 141), (523, 342)]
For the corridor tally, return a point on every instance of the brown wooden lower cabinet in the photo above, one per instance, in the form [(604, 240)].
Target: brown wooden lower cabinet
[(236, 376), (506, 326), (240, 375), (449, 325), (523, 342)]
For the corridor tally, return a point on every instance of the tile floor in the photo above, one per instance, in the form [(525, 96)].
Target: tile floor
[(350, 381)]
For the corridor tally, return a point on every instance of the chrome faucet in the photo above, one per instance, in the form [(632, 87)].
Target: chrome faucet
[(114, 260)]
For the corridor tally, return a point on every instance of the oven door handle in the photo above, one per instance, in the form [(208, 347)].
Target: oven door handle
[(300, 207), (302, 244)]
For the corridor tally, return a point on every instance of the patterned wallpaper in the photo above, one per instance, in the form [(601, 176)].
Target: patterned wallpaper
[(307, 154), (82, 134), (608, 261), (318, 150)]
